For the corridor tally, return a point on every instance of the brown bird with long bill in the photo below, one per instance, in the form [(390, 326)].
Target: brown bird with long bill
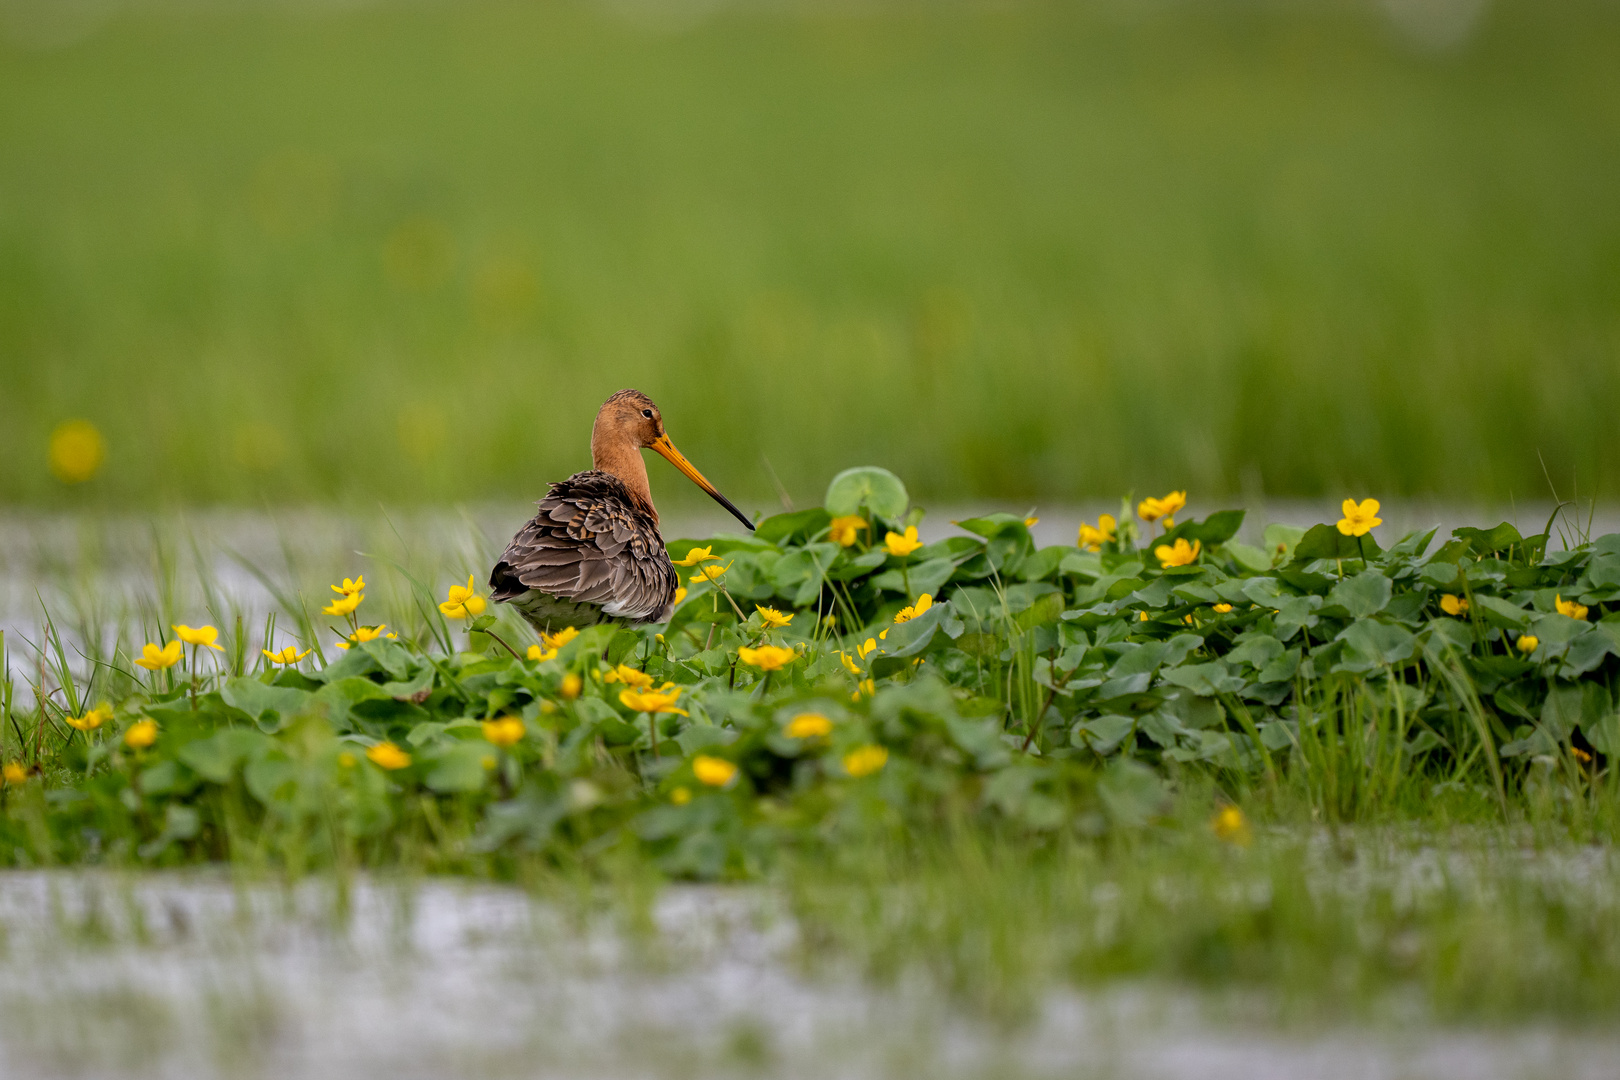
[(593, 552)]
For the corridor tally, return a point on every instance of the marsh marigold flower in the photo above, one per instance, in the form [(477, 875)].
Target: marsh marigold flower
[(366, 633), (91, 720), (709, 573), (681, 796), (772, 618), (1360, 518), (572, 684), (153, 658), (288, 656), (661, 700), (843, 529), (504, 731), (865, 760), (1527, 643), (202, 635), (1094, 537), (1222, 609), (1569, 608), (808, 726), (388, 756), (866, 648), (1453, 605), (344, 604), (849, 664), (14, 773), (76, 451), (1031, 521), (714, 771), (906, 614), (537, 653), (462, 602), (902, 545), (349, 588), (1164, 509), (560, 638), (680, 594), (697, 555), (866, 687), (636, 680), (141, 734), (767, 657), (1179, 554), (1230, 825)]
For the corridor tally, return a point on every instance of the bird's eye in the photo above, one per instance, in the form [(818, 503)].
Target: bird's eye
[(647, 413)]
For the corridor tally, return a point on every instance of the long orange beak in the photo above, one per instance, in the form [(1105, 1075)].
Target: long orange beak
[(667, 450)]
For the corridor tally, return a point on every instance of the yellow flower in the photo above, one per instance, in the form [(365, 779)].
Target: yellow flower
[(637, 680), (661, 700), (807, 726), (1527, 642), (76, 451), (1453, 605), (344, 605), (289, 655), (697, 555), (772, 618), (388, 756), (1580, 755), (1569, 608), (902, 545), (680, 594), (91, 720), (766, 657), (681, 796), (153, 658), (1142, 616), (1031, 522), (1181, 554), (906, 614), (1151, 509), (366, 633), (716, 772), (865, 686), (14, 773), (560, 638), (349, 588), (1360, 518), (537, 653), (572, 684), (1230, 825), (1222, 609), (202, 635), (141, 734), (709, 573), (866, 648), (843, 529), (865, 760), (849, 665), (505, 731), (1103, 533), (462, 602)]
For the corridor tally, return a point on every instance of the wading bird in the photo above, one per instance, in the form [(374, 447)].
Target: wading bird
[(593, 552)]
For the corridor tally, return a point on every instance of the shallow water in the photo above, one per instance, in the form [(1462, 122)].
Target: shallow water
[(185, 975)]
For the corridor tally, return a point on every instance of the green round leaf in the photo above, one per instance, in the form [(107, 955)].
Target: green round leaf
[(878, 489)]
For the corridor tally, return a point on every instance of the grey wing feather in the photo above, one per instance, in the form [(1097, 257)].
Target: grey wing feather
[(590, 543)]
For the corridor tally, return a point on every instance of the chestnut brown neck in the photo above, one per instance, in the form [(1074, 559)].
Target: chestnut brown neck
[(615, 454)]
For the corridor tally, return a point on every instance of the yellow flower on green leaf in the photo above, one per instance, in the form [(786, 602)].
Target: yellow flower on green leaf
[(1179, 554), (906, 614), (344, 604), (1230, 825), (287, 657), (902, 545), (697, 555), (91, 720), (1094, 537), (713, 771), (636, 680), (560, 638), (866, 686), (366, 633), (1222, 609), (661, 700), (1527, 643), (767, 657), (866, 648), (462, 602), (572, 684), (141, 734), (1360, 518), (772, 618), (865, 760), (1453, 605), (202, 635), (808, 726), (1569, 608), (1164, 509), (388, 756), (504, 731), (680, 594), (153, 658), (849, 664), (537, 653), (843, 529), (14, 773), (709, 573), (349, 588)]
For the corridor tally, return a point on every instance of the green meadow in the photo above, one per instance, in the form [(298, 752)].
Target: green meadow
[(314, 252)]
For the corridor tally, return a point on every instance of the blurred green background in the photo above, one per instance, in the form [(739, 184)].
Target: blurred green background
[(298, 251)]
